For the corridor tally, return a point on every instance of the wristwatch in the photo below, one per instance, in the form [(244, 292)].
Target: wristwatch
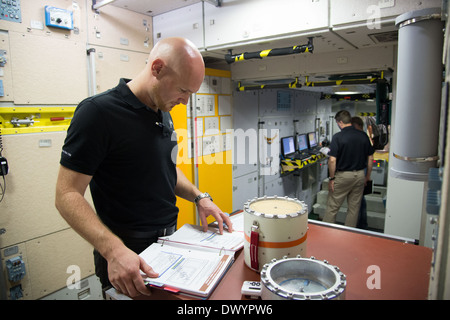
[(201, 196), (331, 178)]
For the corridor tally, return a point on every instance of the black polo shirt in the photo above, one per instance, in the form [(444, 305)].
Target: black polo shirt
[(350, 147), (127, 148)]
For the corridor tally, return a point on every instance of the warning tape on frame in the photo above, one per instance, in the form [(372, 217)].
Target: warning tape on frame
[(367, 114)]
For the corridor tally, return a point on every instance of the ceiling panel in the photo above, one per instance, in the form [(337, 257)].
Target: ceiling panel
[(330, 39), (153, 7)]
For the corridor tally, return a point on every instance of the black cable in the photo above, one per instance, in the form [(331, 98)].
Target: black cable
[(2, 188)]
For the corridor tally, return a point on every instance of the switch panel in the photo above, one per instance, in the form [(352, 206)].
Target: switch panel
[(16, 292), (58, 18), (10, 10), (15, 268)]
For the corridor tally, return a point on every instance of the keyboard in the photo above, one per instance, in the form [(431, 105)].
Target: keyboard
[(314, 152), (300, 156)]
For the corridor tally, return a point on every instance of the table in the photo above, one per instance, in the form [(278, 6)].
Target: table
[(403, 269)]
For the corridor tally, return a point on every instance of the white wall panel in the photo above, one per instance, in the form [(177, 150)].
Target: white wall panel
[(305, 123), (324, 106), (119, 28), (379, 58), (305, 102), (245, 20), (6, 70), (244, 188), (270, 106), (28, 209), (185, 22), (245, 118), (50, 256), (347, 12), (404, 205), (267, 68), (274, 127), (112, 64), (47, 72), (284, 186), (285, 125)]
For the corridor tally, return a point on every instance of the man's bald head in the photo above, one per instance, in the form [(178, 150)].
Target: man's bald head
[(179, 55), (175, 69), (171, 49)]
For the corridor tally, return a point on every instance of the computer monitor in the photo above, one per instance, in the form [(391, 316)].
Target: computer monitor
[(287, 146), (312, 140), (302, 142)]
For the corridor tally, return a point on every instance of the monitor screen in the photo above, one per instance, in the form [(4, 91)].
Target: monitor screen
[(312, 140), (302, 142), (287, 145)]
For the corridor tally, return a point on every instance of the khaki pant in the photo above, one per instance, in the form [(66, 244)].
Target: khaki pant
[(350, 185)]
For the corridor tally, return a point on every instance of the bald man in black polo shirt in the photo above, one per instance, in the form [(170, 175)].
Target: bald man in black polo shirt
[(120, 143), (350, 153)]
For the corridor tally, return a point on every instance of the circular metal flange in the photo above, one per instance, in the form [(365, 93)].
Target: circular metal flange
[(416, 159), (302, 279), (275, 207), (417, 16)]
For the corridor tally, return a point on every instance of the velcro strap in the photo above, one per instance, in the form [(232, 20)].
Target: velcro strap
[(254, 241)]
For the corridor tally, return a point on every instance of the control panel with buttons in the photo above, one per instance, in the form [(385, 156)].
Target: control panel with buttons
[(15, 268), (10, 10)]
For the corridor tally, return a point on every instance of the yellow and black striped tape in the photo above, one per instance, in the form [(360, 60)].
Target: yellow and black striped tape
[(367, 114)]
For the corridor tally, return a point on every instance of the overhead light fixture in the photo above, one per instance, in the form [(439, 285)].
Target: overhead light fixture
[(347, 92)]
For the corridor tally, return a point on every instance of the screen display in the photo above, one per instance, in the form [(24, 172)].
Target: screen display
[(302, 142), (312, 139), (288, 145)]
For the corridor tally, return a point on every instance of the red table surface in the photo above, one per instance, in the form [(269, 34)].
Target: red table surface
[(404, 268)]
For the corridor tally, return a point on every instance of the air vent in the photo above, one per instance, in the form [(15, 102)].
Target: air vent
[(384, 37)]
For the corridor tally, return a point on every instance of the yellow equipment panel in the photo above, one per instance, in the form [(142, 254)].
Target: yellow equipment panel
[(213, 161), (17, 120)]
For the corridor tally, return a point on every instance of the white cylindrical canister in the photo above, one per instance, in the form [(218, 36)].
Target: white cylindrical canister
[(274, 227), (415, 136)]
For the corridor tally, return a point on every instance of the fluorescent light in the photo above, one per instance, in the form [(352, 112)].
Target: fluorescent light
[(347, 92)]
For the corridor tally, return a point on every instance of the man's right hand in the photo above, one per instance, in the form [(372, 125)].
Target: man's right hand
[(331, 185), (123, 264), (124, 272)]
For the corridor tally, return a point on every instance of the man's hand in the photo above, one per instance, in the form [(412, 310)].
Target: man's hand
[(206, 208), (331, 185), (124, 272), (186, 190)]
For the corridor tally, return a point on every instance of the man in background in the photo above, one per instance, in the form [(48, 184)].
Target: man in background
[(358, 123), (350, 154)]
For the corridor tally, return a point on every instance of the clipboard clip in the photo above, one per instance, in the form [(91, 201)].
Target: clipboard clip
[(159, 285)]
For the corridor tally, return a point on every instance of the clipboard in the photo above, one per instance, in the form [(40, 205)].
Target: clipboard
[(191, 261)]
